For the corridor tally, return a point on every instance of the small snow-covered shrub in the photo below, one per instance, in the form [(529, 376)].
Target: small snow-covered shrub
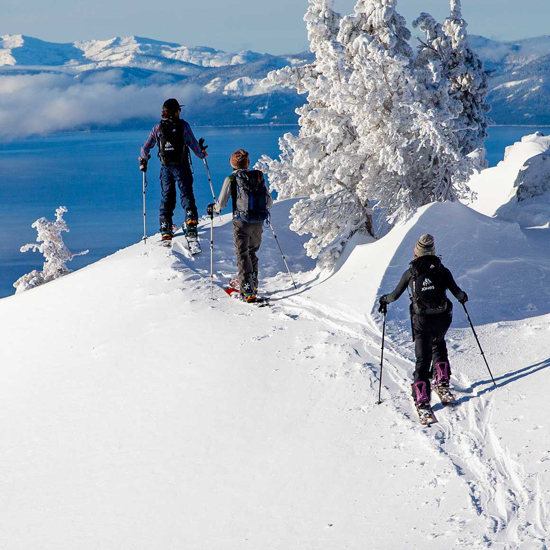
[(56, 254)]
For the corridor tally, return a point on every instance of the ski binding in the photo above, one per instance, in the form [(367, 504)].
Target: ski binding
[(426, 416)]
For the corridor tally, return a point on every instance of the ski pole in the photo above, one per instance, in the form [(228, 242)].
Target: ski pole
[(284, 258), (212, 254), (209, 178), (144, 210), (480, 349), (382, 358)]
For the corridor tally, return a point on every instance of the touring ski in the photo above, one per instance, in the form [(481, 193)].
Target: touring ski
[(445, 395), (426, 416), (193, 244)]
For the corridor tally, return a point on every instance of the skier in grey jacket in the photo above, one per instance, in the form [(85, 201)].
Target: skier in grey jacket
[(251, 202)]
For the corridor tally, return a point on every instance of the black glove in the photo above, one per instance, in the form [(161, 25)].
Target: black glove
[(210, 209), (202, 145), (383, 304), (465, 299), (143, 165)]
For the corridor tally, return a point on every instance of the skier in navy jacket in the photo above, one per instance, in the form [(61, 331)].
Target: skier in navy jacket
[(174, 137)]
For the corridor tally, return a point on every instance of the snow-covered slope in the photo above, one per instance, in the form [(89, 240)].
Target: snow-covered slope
[(137, 412), (495, 186)]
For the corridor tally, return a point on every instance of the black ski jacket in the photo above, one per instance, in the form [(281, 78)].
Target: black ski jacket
[(406, 280)]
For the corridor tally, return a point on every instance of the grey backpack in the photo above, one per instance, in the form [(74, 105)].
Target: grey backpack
[(250, 196)]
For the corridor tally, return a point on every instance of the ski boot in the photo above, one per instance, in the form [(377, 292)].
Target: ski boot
[(191, 229), (420, 392), (192, 236), (247, 293), (166, 233), (249, 298), (441, 383)]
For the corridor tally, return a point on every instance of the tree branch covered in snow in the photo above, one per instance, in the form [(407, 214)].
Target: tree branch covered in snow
[(377, 128), (55, 253), (447, 47)]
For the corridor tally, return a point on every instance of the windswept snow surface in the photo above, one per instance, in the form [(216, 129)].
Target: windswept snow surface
[(495, 186), (137, 412)]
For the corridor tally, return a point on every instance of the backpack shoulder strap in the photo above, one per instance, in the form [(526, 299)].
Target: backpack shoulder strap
[(233, 180)]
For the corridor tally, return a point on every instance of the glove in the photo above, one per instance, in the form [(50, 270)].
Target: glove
[(202, 145), (383, 304), (210, 209), (143, 165), (465, 299)]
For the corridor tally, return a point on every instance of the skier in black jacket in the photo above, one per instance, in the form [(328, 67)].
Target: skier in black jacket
[(431, 316)]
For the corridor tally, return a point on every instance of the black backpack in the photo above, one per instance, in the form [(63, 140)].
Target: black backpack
[(172, 148), (250, 196), (428, 286)]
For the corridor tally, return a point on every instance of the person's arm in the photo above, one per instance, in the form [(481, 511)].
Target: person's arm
[(191, 141), (225, 195), (399, 289), (458, 293), (150, 142)]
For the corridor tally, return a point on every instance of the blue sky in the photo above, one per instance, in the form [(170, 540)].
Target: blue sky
[(273, 26)]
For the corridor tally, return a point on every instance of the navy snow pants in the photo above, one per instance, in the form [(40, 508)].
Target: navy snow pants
[(169, 176)]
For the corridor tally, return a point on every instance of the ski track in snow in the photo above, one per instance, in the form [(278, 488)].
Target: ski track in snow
[(501, 492)]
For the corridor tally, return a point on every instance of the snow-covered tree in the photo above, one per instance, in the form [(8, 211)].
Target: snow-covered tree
[(406, 134), (370, 130), (461, 66), (321, 163), (55, 253)]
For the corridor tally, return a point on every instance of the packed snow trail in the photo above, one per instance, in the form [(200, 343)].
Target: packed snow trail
[(507, 497), (139, 413)]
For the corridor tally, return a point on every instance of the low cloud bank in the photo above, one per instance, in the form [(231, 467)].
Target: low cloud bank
[(47, 103)]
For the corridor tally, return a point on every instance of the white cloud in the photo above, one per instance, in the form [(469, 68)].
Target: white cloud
[(47, 103)]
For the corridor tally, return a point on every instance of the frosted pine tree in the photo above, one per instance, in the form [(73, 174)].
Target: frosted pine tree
[(448, 43), (56, 254), (372, 129), (410, 153), (322, 162)]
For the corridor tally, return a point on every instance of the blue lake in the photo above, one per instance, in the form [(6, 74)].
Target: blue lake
[(96, 176)]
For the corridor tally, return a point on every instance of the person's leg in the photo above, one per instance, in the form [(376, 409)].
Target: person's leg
[(256, 231), (441, 369), (168, 199), (244, 264), (421, 389), (187, 196)]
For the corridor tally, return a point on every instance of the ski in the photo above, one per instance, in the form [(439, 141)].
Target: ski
[(426, 416), (258, 302), (193, 244), (165, 243), (445, 395)]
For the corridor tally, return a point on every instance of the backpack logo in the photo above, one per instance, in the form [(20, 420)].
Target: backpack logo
[(427, 285)]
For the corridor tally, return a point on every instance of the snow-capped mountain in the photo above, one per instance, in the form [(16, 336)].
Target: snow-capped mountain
[(520, 79), (229, 82), (227, 78)]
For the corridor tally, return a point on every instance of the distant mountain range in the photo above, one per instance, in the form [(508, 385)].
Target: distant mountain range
[(229, 83)]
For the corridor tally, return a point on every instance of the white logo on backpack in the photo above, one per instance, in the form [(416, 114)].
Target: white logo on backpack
[(427, 285)]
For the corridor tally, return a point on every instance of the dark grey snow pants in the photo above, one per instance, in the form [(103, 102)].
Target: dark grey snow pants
[(248, 238)]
